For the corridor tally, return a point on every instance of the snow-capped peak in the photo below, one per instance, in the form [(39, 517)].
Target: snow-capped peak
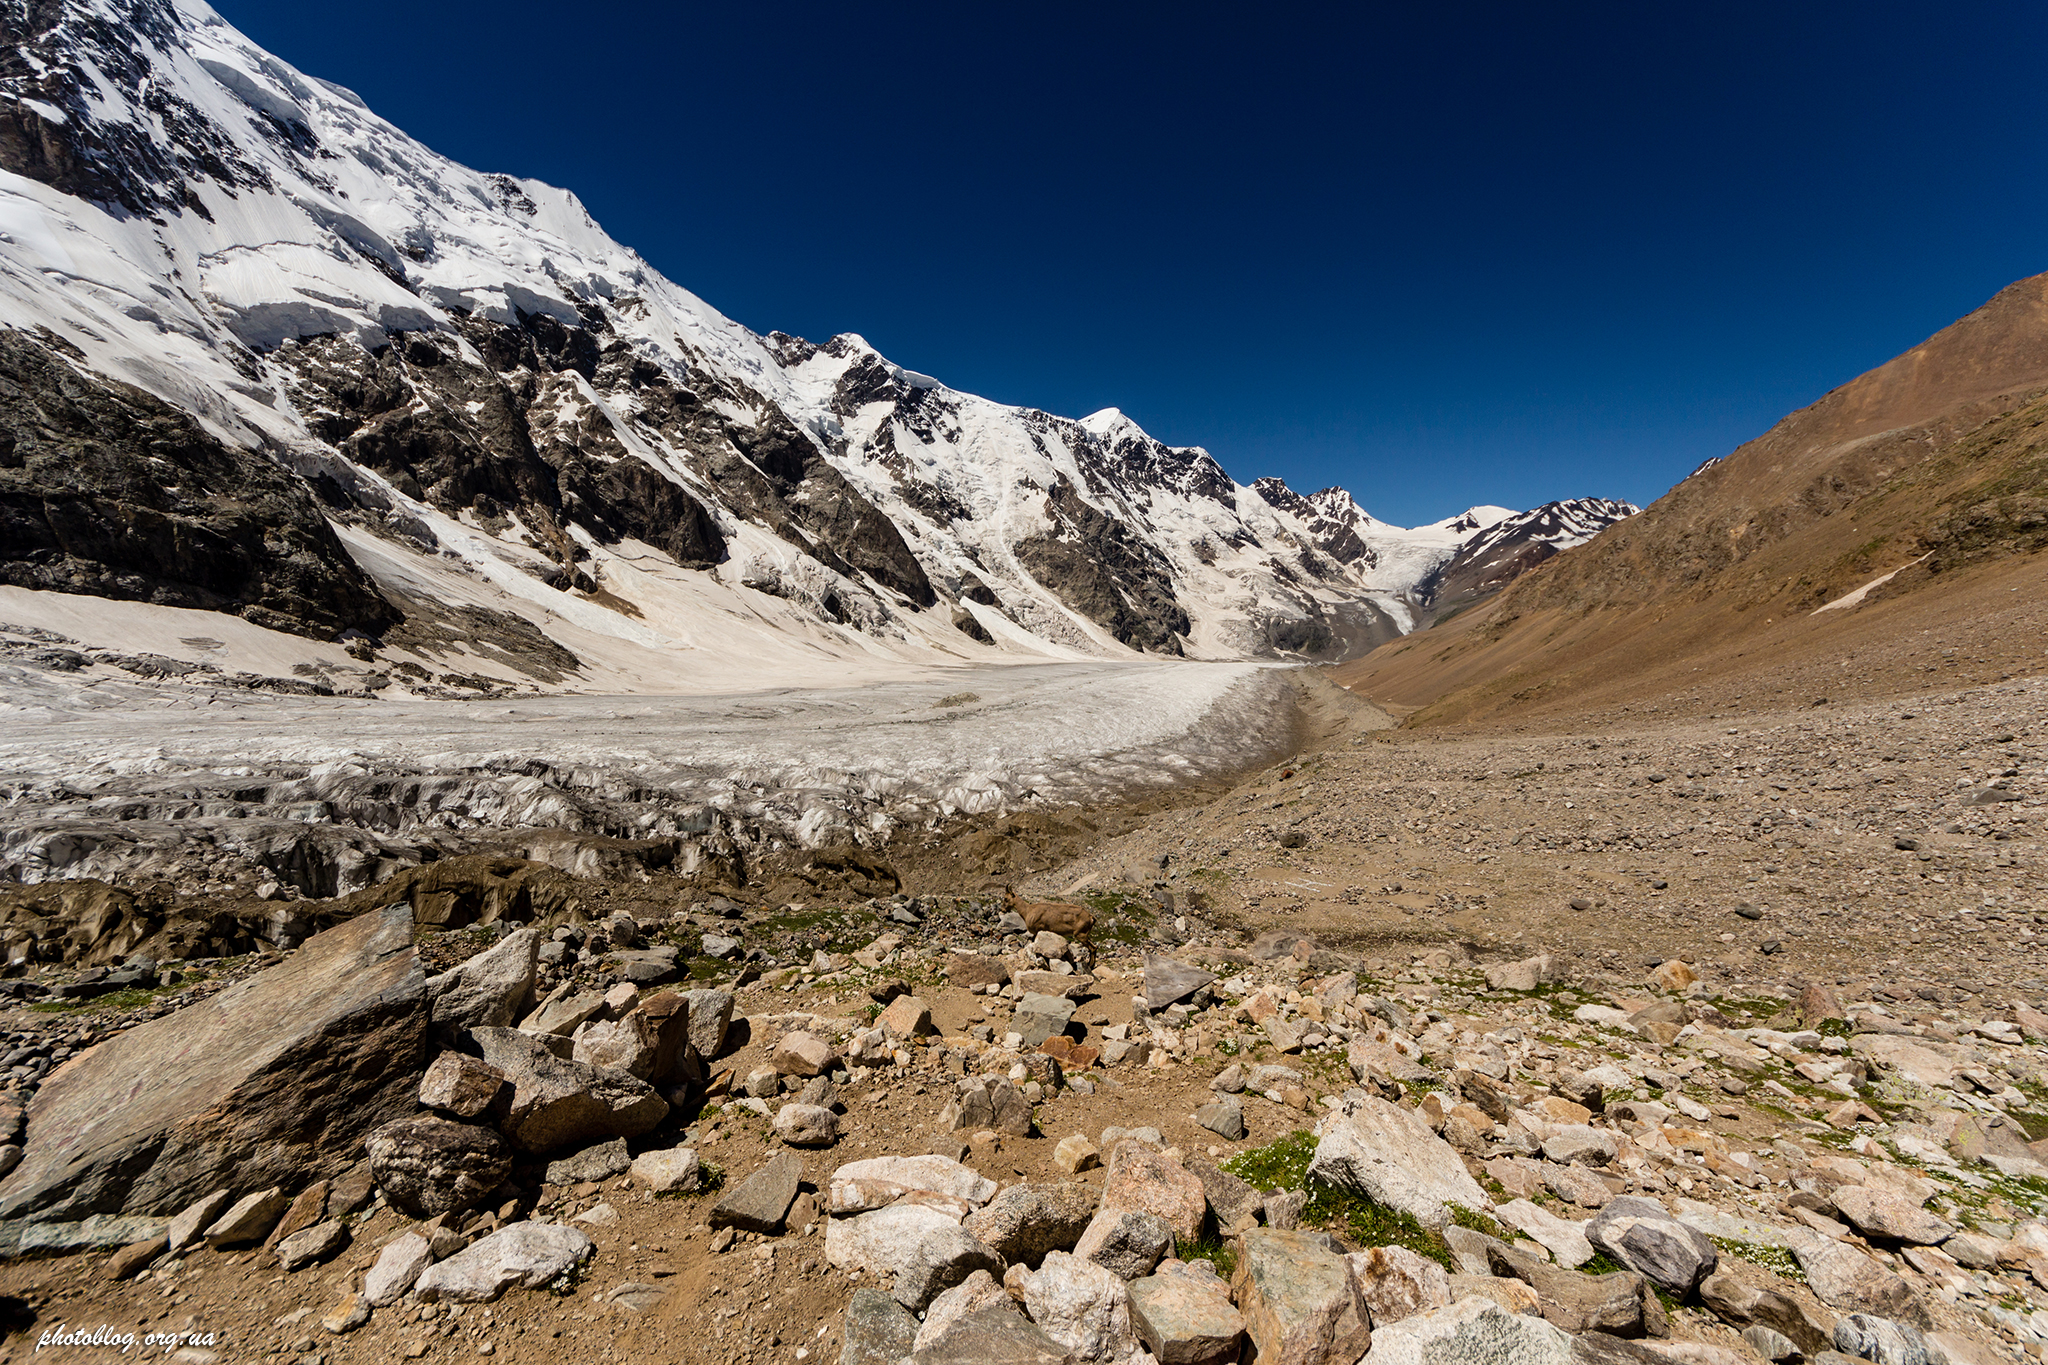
[(456, 367)]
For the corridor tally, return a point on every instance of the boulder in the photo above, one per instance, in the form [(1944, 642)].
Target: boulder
[(1642, 1235), (941, 1257), (1563, 1239), (1769, 1343), (1880, 1340), (761, 1201), (1388, 1154), (710, 1020), (526, 1255), (626, 1045), (1141, 1177), (880, 1181), (1168, 981), (880, 1241), (459, 1084), (1395, 1283), (1082, 1306), (398, 1266), (309, 1208), (1075, 1154), (1512, 1295), (803, 1054), (249, 1219), (1224, 1117), (906, 1017), (352, 1312), (136, 1257), (1126, 1242), (1843, 1277), (1039, 1017), (1674, 976), (1525, 975), (599, 1161), (275, 1080), (431, 1165), (1232, 1200), (988, 1102), (673, 1171), (878, 1331), (1024, 1222), (668, 1018), (191, 1224), (1735, 1300), (561, 1018), (971, 1295), (1295, 1294), (1471, 1329), (1576, 1185), (494, 989), (806, 1125), (1582, 1143), (1622, 1304), (1875, 1211), (996, 1335), (976, 969), (1186, 1319), (557, 1103), (312, 1245)]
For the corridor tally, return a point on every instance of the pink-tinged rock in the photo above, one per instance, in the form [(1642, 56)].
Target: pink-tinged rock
[(1141, 1177)]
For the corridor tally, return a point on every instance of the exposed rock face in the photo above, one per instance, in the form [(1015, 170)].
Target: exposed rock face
[(274, 1080), (1100, 569), (107, 490)]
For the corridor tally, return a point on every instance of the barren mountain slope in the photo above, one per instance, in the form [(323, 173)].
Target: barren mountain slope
[(1935, 464)]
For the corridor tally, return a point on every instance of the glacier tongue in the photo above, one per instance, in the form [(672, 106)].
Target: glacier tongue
[(504, 410)]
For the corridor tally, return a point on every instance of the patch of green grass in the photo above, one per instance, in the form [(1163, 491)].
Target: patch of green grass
[(1211, 1248), (1283, 1165), (1775, 1259), (1120, 918), (133, 998), (1475, 1221), (1601, 1264), (1834, 1028)]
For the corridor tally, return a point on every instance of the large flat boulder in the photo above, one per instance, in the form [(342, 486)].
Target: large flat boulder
[(1388, 1154), (274, 1081)]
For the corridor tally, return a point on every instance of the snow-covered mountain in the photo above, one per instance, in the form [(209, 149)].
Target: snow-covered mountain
[(264, 354)]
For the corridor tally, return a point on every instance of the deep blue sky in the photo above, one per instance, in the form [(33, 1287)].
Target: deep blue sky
[(1440, 254)]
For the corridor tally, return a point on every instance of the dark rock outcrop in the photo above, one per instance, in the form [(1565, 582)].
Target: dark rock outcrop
[(107, 490)]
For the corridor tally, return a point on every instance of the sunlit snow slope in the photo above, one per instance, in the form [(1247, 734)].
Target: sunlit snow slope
[(266, 355)]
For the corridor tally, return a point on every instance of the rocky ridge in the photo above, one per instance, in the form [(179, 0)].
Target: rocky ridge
[(469, 381)]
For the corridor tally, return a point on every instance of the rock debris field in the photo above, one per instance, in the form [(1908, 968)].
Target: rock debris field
[(1687, 1040)]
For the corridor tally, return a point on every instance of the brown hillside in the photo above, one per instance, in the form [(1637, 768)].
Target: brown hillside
[(1939, 455)]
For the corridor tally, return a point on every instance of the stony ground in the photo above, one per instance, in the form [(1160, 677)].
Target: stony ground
[(1476, 925)]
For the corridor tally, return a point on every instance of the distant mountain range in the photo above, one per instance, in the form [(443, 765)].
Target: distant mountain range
[(267, 355), (1888, 538)]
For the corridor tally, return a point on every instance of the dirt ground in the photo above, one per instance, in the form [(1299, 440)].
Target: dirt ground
[(1768, 851)]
